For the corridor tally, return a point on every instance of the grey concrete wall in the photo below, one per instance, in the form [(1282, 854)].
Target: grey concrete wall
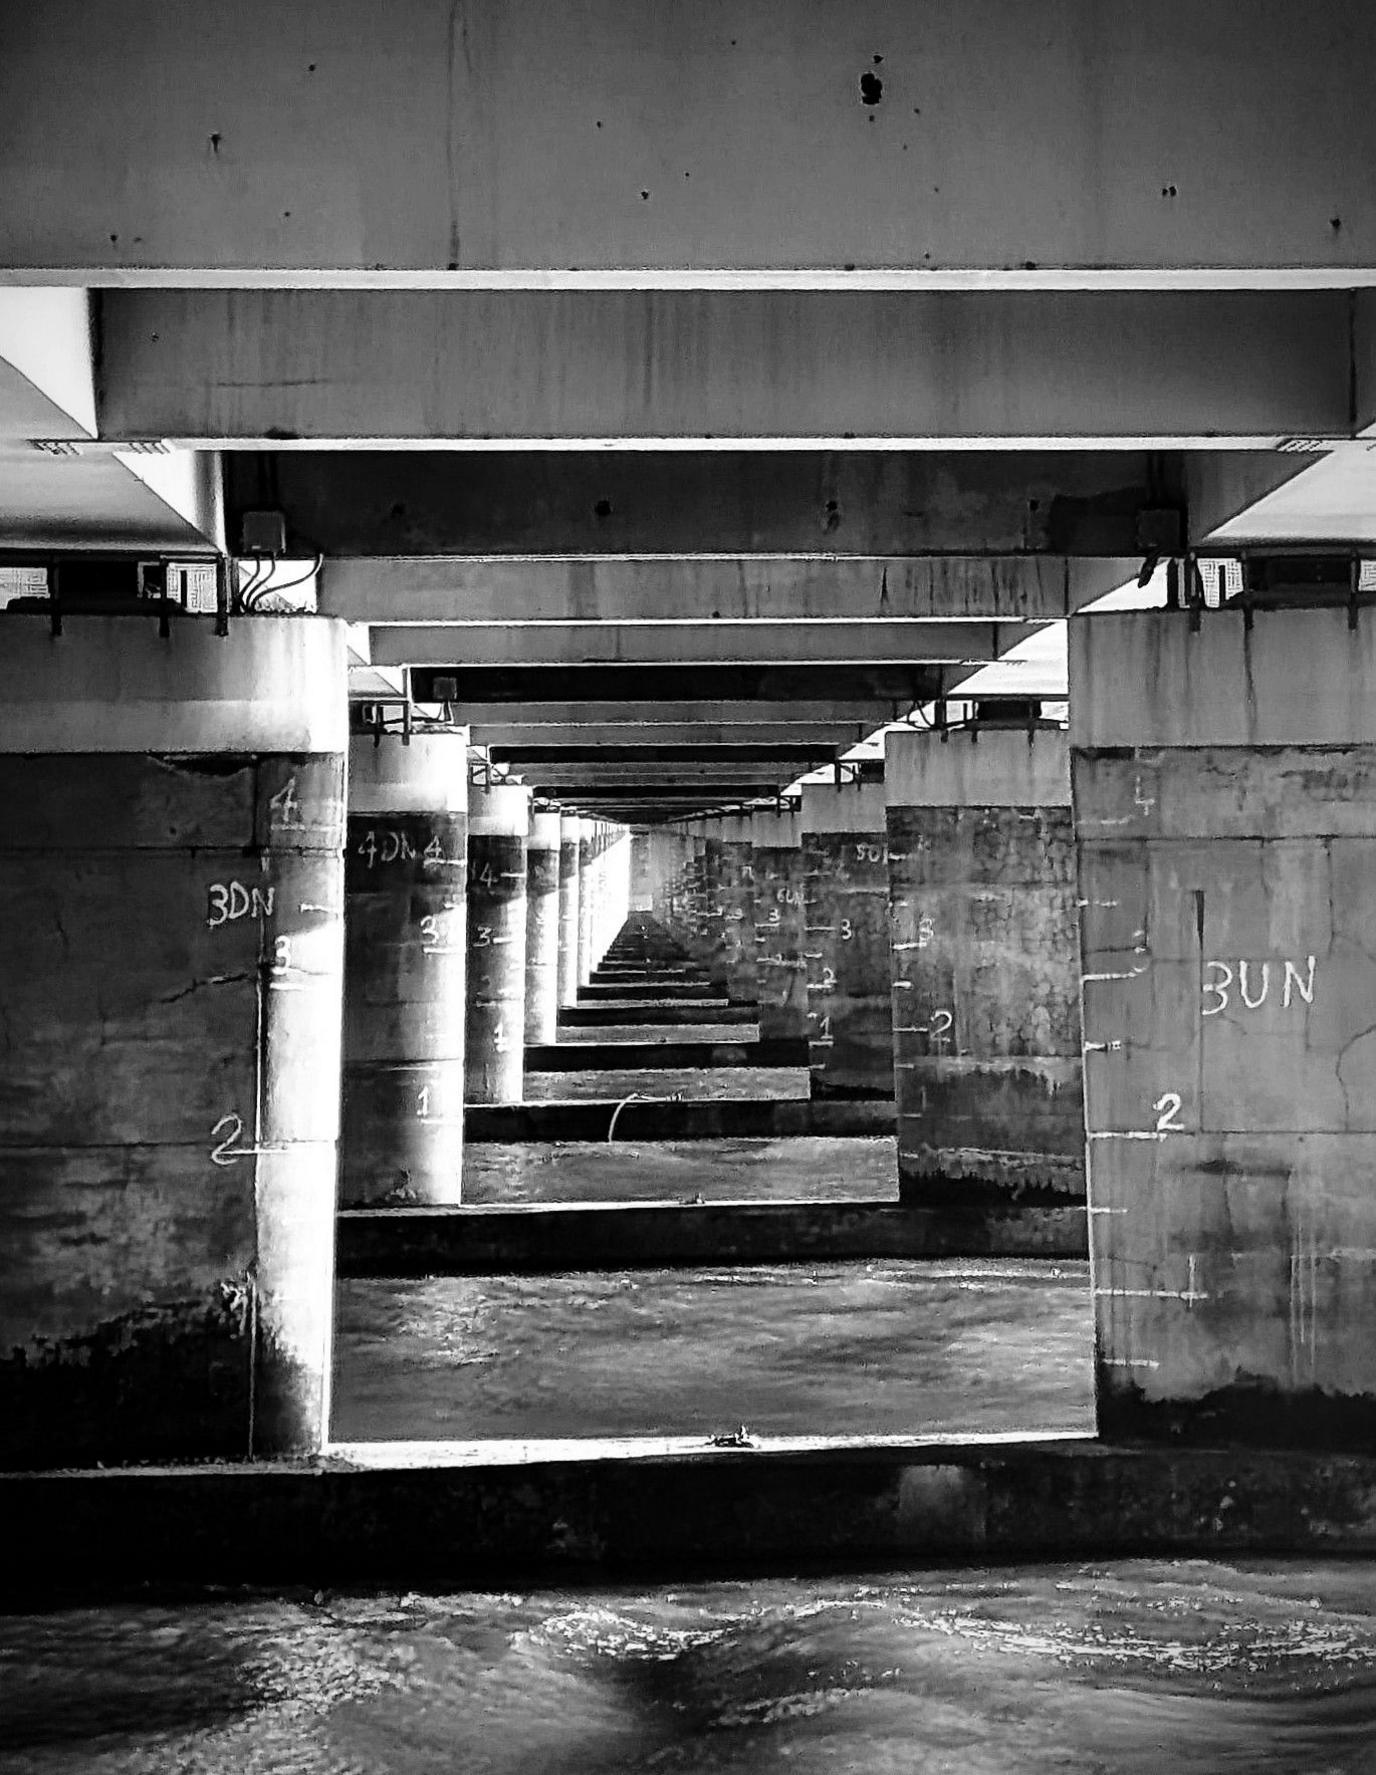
[(780, 893), (985, 968), (1225, 805), (171, 952), (846, 940)]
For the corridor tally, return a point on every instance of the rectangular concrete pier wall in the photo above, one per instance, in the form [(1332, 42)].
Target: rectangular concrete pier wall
[(986, 967), (780, 892), (730, 913), (1225, 802), (846, 940), (171, 965)]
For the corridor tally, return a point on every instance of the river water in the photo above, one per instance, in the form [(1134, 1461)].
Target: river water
[(1130, 1668), (878, 1348), (800, 1168)]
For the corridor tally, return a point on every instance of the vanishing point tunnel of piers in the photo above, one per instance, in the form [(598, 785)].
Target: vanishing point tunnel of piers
[(638, 662)]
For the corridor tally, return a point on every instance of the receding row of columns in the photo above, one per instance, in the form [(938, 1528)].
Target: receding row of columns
[(250, 965), (1131, 966), (471, 916)]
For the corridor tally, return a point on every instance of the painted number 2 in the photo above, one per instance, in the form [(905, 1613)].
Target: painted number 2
[(1167, 1107)]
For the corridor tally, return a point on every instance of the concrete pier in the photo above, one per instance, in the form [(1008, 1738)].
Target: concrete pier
[(730, 913), (498, 824), (406, 932), (780, 892), (588, 885), (171, 947), (618, 888), (569, 848), (985, 967), (542, 927), (1226, 817), (846, 940)]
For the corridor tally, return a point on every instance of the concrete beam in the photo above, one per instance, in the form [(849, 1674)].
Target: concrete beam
[(704, 502), (1149, 369), (503, 740), (411, 588), (721, 720), (614, 756), (666, 776), (592, 643), (416, 142), (647, 686), (693, 794)]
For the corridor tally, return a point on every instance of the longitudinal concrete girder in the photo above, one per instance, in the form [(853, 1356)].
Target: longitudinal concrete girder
[(597, 140), (429, 590), (593, 643), (910, 368), (707, 502)]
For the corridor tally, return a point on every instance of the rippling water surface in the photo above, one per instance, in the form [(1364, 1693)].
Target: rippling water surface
[(1126, 1669), (867, 1348), (803, 1168)]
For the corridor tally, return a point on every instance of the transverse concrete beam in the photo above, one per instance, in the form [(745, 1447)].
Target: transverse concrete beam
[(549, 141), (822, 503), (428, 590), (1146, 369), (594, 643)]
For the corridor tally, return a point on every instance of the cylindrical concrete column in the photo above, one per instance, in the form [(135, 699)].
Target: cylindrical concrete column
[(542, 928), (405, 942), (642, 891), (1225, 813), (569, 883), (171, 951), (846, 931), (494, 1041), (986, 990), (588, 899), (780, 892)]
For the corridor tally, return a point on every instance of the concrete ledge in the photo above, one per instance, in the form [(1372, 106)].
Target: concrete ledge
[(667, 1119), (457, 1525), (640, 989), (546, 1238), (643, 1010), (661, 1056)]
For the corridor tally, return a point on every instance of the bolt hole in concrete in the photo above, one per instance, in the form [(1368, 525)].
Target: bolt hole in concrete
[(1204, 1667)]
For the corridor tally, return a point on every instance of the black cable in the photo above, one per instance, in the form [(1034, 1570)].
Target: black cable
[(291, 584)]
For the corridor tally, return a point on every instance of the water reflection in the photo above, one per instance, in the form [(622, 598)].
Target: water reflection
[(1075, 1669)]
